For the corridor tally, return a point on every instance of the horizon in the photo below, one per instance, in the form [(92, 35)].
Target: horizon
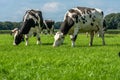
[(51, 9)]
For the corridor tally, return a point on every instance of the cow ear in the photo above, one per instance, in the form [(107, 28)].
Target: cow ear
[(14, 30)]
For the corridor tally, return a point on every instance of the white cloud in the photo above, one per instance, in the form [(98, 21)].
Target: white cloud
[(111, 10), (51, 7)]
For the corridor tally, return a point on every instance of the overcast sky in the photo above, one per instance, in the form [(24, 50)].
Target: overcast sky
[(13, 10)]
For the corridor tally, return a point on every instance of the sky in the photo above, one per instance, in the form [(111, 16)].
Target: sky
[(14, 10)]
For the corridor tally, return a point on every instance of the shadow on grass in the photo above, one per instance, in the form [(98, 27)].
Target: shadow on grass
[(109, 36), (51, 44), (77, 45), (112, 45), (47, 44), (97, 45)]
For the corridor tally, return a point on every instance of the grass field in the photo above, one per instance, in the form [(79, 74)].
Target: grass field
[(43, 62)]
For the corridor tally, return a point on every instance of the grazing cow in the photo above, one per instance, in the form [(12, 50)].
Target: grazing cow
[(14, 31), (80, 19), (32, 22), (48, 26)]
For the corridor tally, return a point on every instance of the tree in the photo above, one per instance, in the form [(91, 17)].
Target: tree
[(113, 21), (57, 25), (9, 25)]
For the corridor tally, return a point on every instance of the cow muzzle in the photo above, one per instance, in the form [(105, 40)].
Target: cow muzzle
[(14, 44)]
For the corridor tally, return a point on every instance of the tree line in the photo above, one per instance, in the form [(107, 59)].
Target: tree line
[(7, 25), (112, 22)]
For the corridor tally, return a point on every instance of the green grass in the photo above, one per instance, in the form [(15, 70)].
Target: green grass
[(43, 62)]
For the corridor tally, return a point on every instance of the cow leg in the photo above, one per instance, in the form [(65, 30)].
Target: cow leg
[(26, 39), (101, 33), (52, 30), (91, 38), (38, 39), (74, 36), (73, 39)]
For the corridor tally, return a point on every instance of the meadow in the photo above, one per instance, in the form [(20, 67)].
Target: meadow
[(43, 62)]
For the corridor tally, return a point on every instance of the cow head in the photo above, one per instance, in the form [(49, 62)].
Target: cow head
[(17, 37), (59, 38)]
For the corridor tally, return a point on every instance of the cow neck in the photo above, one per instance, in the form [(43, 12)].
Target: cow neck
[(66, 25), (20, 33)]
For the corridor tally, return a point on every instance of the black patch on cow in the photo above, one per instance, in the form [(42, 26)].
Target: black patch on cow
[(41, 18), (38, 16), (104, 25), (71, 10), (75, 16), (83, 9), (97, 27), (93, 19), (83, 22), (102, 13), (82, 18), (32, 14), (88, 11), (66, 25), (27, 26), (75, 11), (119, 54), (49, 24), (34, 34), (90, 15), (92, 24), (18, 39), (74, 38)]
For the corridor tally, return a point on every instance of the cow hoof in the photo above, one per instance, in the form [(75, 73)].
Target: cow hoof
[(54, 46), (14, 44), (90, 44), (26, 44)]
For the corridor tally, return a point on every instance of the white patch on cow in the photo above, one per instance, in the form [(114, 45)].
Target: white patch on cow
[(78, 10), (70, 15), (25, 17), (15, 34), (99, 10), (65, 15), (58, 39), (26, 37), (73, 42)]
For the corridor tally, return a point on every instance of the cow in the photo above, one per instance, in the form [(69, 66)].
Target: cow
[(81, 19), (48, 26), (32, 22)]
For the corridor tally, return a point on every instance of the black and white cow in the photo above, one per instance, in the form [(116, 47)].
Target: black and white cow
[(48, 26), (80, 19), (32, 22)]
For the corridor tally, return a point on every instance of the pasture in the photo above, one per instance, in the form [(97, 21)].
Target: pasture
[(43, 62)]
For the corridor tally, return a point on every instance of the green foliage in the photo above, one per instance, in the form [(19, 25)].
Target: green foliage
[(43, 62), (9, 25), (57, 25), (113, 20), (113, 31)]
